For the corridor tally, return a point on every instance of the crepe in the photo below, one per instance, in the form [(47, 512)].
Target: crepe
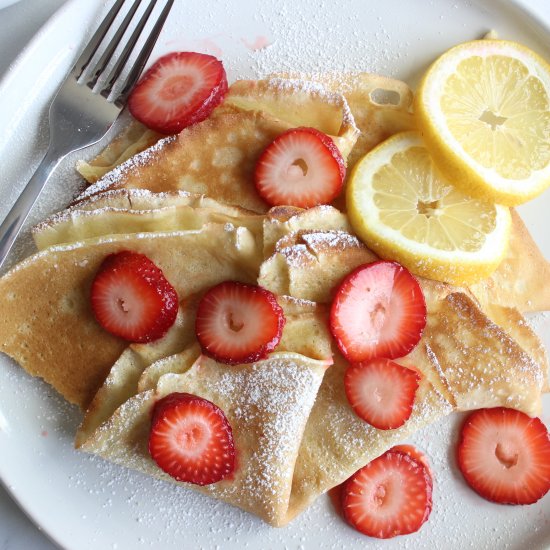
[(216, 157), (521, 280), (127, 211), (267, 404), (477, 361), (46, 323)]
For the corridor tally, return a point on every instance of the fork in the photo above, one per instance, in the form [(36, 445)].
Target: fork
[(82, 112)]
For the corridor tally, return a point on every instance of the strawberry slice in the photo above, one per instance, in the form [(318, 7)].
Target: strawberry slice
[(414, 453), (238, 323), (179, 89), (504, 455), (390, 496), (378, 311), (191, 439), (302, 167), (131, 298), (381, 392)]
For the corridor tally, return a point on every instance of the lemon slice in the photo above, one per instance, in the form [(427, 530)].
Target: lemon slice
[(484, 111), (401, 206)]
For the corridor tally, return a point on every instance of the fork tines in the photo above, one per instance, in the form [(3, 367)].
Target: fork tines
[(94, 46)]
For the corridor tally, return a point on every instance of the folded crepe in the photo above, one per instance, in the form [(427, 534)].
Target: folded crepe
[(216, 157), (46, 323), (481, 362), (267, 404), (380, 107), (126, 211)]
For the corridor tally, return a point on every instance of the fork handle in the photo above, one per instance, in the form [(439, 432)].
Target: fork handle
[(11, 226)]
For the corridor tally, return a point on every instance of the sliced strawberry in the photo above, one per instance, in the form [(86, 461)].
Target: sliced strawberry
[(381, 392), (238, 323), (504, 455), (131, 298), (302, 167), (191, 439), (390, 496), (178, 90), (414, 453), (378, 311)]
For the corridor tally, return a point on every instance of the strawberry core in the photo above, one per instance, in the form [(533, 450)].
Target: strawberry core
[(506, 456), (378, 314), (175, 87), (191, 436), (297, 169), (380, 495), (234, 324)]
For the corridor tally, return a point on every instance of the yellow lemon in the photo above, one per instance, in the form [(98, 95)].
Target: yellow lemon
[(483, 109), (404, 209)]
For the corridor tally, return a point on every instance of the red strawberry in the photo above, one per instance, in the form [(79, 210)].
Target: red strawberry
[(381, 392), (302, 167), (415, 454), (131, 298), (238, 323), (378, 311), (504, 455), (191, 439), (390, 496), (178, 90)]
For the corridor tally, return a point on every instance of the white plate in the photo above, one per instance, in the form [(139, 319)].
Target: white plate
[(6, 3), (85, 503)]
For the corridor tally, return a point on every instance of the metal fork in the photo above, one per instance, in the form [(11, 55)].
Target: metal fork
[(80, 114)]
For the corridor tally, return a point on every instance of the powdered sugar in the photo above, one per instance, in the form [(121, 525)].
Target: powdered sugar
[(291, 85), (280, 393), (113, 178)]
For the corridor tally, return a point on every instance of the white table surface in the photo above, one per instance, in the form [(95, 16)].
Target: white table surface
[(18, 24)]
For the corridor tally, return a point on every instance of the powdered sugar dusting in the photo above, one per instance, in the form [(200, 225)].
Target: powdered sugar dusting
[(114, 177), (291, 85), (302, 253), (278, 394)]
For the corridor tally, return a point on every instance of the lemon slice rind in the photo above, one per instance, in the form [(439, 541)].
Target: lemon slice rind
[(448, 153), (453, 266)]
